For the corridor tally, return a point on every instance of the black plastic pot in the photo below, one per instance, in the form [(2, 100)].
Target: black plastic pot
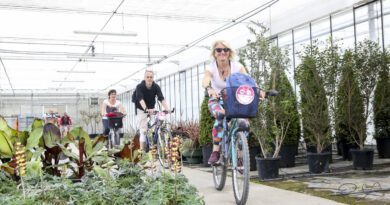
[(362, 159), (318, 162), (267, 168), (287, 155), (253, 152), (206, 151), (328, 149), (344, 148), (383, 147)]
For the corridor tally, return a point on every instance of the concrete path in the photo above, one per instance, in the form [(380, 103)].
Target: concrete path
[(258, 194)]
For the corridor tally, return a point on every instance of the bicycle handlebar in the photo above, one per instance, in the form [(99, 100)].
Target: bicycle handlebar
[(165, 111), (269, 93)]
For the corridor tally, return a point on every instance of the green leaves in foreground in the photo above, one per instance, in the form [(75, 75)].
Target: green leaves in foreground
[(130, 186)]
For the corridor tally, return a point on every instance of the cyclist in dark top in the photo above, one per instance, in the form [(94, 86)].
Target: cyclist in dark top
[(146, 93)]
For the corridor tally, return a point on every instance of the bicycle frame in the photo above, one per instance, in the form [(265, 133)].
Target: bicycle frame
[(158, 126), (229, 139)]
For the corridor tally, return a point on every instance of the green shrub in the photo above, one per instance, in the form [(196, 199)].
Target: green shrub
[(314, 106), (349, 104), (382, 102), (206, 124)]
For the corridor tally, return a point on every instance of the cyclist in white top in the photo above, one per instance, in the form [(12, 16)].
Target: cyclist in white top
[(216, 74), (110, 105)]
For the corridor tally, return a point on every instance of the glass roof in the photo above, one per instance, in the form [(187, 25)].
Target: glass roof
[(44, 46)]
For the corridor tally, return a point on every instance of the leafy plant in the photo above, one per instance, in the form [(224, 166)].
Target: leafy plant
[(349, 104), (381, 102), (368, 63), (129, 185), (84, 152), (206, 124), (278, 116), (189, 129), (314, 106), (91, 119)]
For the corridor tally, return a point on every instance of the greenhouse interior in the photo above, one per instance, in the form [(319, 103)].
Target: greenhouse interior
[(162, 102)]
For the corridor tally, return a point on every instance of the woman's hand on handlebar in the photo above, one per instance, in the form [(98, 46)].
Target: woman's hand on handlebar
[(212, 92), (262, 95)]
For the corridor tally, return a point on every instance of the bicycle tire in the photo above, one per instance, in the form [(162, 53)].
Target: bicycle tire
[(219, 173), (162, 142), (242, 169)]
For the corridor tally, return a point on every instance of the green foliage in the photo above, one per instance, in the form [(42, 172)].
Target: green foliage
[(130, 185), (350, 121), (277, 119), (382, 101), (206, 124), (314, 106), (171, 190), (286, 111), (255, 54), (369, 60)]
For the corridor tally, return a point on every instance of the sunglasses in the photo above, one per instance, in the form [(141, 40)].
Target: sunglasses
[(222, 49)]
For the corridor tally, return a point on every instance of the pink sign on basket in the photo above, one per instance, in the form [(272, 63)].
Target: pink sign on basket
[(245, 94)]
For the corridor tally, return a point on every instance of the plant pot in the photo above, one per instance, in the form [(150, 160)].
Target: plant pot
[(267, 168), (344, 149), (362, 159), (327, 149), (194, 160), (287, 155), (383, 147), (206, 151), (193, 156), (253, 152), (318, 162)]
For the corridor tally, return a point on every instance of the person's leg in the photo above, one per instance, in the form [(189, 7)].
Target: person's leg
[(142, 122), (217, 132), (106, 129)]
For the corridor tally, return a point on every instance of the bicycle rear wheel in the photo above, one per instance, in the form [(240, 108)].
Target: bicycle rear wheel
[(219, 173), (163, 150), (241, 171)]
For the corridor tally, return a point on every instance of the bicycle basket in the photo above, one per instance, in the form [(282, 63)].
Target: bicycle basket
[(241, 98), (115, 120)]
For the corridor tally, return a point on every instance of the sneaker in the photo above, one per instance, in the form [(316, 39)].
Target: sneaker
[(214, 157)]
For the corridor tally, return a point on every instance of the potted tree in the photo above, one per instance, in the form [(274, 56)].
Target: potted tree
[(350, 121), (381, 106), (286, 111), (275, 118), (314, 110), (368, 62), (190, 148), (91, 120), (206, 124)]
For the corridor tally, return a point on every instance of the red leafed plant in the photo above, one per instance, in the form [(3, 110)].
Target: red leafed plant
[(188, 129)]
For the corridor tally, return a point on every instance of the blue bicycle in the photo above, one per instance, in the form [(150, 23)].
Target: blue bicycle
[(235, 153)]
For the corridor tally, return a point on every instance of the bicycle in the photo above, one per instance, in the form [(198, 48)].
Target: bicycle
[(159, 138), (234, 151), (115, 122)]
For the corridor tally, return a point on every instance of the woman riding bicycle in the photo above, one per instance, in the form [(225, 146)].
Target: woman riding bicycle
[(216, 74), (110, 105)]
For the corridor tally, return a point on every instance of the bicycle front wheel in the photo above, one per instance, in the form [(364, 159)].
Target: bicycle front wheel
[(219, 173), (240, 160), (163, 150)]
